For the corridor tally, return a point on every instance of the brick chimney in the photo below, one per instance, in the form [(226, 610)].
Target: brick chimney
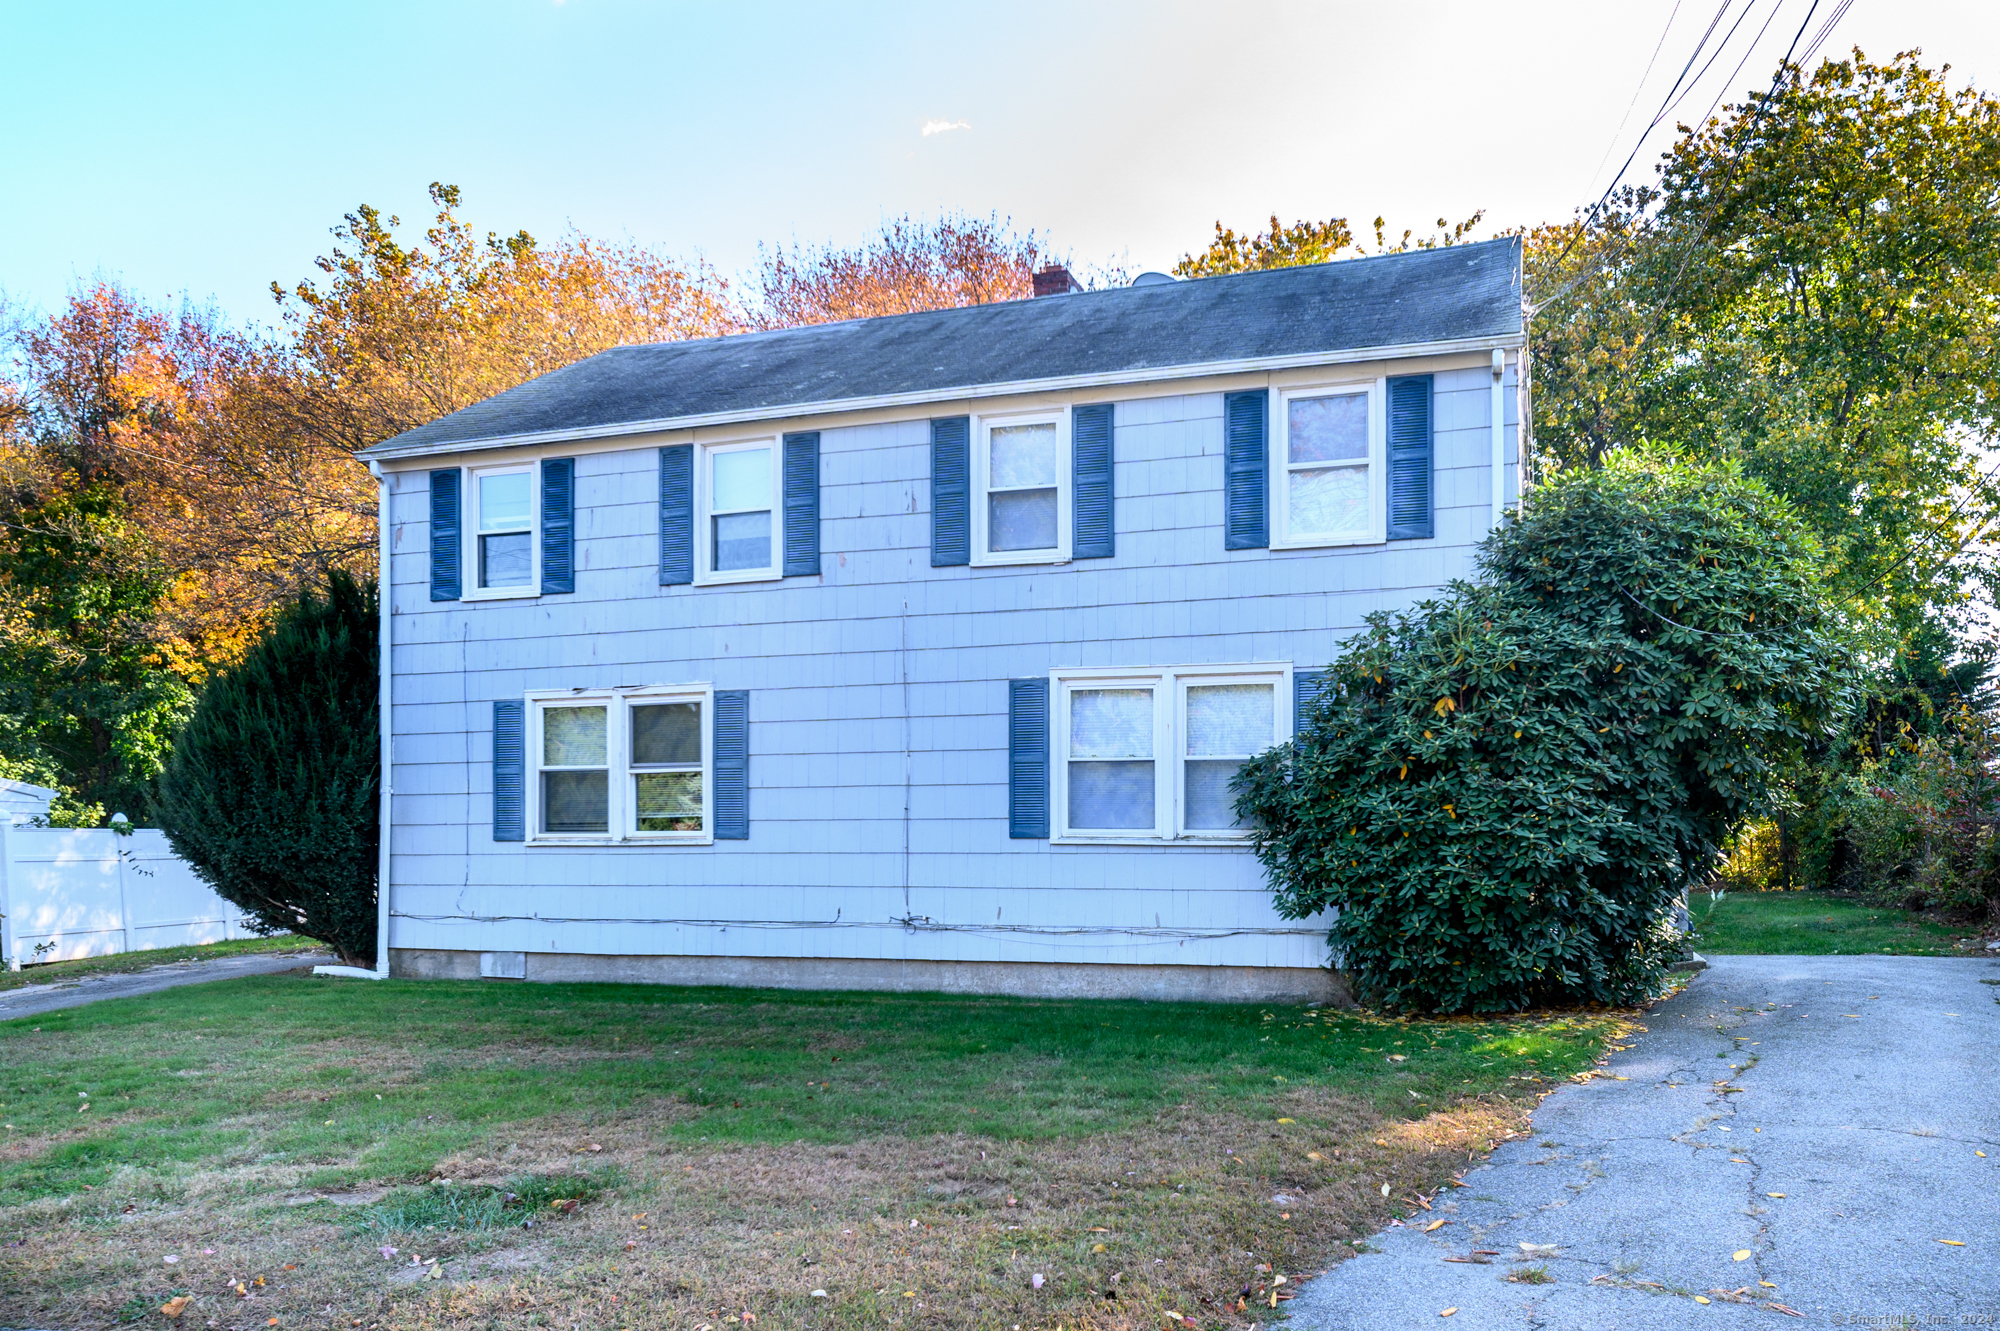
[(1054, 281)]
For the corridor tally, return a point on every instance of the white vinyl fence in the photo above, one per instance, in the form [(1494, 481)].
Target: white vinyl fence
[(68, 893)]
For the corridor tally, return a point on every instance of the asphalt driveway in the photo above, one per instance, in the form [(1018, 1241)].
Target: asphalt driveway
[(34, 999), (1801, 1134)]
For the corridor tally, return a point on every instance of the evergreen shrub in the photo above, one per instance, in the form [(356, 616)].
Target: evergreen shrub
[(271, 790), (1502, 792)]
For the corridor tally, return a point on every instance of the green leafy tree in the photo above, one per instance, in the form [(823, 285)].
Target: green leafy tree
[(1810, 289), (1502, 792), (86, 706), (271, 792)]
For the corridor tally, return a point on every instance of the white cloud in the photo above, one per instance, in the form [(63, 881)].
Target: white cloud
[(943, 126)]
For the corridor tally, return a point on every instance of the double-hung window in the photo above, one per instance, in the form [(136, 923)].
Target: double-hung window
[(740, 525), (1147, 755), (623, 765), (1021, 481), (1327, 461), (502, 520)]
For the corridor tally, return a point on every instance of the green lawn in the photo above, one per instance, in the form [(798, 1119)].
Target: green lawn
[(55, 972), (1813, 924), (1075, 1135), (448, 1062)]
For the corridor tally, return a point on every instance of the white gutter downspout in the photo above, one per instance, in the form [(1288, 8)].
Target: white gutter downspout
[(1497, 410), (382, 698)]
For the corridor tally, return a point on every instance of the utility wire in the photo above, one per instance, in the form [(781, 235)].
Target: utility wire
[(916, 923), (1589, 269), (1722, 90), (1638, 88), (1720, 47), (1694, 55)]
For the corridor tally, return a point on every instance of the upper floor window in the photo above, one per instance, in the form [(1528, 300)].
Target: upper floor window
[(1148, 754), (502, 519), (1327, 465), (625, 766), (1021, 479), (740, 520)]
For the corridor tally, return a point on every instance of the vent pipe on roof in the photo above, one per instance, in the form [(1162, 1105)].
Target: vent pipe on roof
[(1054, 280), (1151, 280)]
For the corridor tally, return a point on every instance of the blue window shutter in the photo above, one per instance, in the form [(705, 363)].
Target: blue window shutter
[(732, 765), (802, 504), (1093, 535), (509, 771), (1306, 685), (951, 491), (444, 534), (1410, 512), (558, 525), (676, 514), (1246, 463), (1028, 759)]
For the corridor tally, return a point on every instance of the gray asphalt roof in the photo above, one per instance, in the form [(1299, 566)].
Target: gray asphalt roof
[(1425, 296)]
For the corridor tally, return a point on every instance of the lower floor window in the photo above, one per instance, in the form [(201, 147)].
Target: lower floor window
[(1150, 754), (624, 765)]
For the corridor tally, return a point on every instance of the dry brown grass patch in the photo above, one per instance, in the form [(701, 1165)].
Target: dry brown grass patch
[(1188, 1210)]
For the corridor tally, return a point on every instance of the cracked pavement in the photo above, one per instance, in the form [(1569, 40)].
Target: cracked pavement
[(1857, 1088)]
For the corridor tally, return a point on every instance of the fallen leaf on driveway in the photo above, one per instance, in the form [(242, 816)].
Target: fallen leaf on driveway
[(1742, 1255), (1435, 1224), (1774, 1194), (1952, 1243), (1777, 1307), (1699, 1299), (1446, 1312)]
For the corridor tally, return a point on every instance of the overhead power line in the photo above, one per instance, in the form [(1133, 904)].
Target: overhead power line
[(1637, 88), (1786, 64), (1672, 92)]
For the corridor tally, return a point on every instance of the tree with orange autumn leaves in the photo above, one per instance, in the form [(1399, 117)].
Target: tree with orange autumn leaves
[(167, 482)]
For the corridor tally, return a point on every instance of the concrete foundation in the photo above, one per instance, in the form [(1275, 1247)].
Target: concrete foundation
[(1021, 979)]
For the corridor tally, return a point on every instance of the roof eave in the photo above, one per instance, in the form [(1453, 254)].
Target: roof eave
[(389, 451)]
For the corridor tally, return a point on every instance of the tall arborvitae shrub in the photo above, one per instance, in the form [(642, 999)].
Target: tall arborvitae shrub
[(1503, 791), (271, 792)]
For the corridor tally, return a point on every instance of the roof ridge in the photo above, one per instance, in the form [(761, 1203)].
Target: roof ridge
[(1321, 313)]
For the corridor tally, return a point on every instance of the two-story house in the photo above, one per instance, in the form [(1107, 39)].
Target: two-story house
[(918, 652)]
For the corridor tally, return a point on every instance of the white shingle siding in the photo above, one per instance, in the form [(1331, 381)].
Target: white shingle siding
[(879, 662)]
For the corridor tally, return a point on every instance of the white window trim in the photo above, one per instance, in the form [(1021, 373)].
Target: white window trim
[(468, 545), (705, 574), (1169, 685), (1378, 455), (980, 474), (621, 819)]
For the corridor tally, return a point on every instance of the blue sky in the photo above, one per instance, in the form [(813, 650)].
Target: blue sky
[(206, 149)]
